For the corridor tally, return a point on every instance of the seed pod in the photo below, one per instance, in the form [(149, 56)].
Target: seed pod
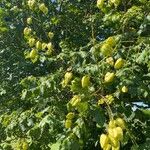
[(31, 4), (48, 52), (50, 46), (70, 115), (43, 8), (115, 148), (50, 35), (68, 123), (107, 147), (109, 77), (100, 4), (31, 42), (85, 81), (119, 63), (112, 124), (101, 101), (68, 76), (106, 50), (75, 100), (118, 133), (111, 41), (45, 11), (116, 2), (120, 122), (44, 45), (124, 89), (29, 21), (110, 61), (63, 83), (38, 45), (114, 142), (109, 99), (33, 53), (27, 31), (104, 140), (25, 146), (110, 132), (112, 1)]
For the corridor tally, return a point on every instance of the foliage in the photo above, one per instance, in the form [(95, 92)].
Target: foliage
[(74, 74)]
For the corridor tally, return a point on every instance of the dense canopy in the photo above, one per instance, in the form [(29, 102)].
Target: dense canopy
[(74, 74)]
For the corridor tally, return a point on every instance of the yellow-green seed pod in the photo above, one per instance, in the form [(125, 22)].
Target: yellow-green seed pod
[(85, 81), (38, 45), (116, 148), (114, 142), (50, 46), (106, 49), (109, 77), (110, 61), (101, 101), (68, 76), (104, 140), (43, 8), (66, 79), (118, 133), (45, 11), (117, 3), (109, 98), (112, 124), (111, 41), (50, 35), (27, 31), (120, 122), (75, 100), (29, 21), (110, 132), (68, 123), (44, 46), (100, 4), (124, 89), (31, 42), (33, 53), (31, 4), (25, 146), (107, 147), (70, 115), (119, 63)]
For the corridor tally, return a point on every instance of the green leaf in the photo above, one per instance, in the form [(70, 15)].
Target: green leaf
[(82, 107), (99, 117), (146, 112), (55, 146)]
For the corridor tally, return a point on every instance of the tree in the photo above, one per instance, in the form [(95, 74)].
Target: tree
[(75, 74)]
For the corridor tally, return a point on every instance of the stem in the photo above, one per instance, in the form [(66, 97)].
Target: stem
[(110, 113), (131, 136)]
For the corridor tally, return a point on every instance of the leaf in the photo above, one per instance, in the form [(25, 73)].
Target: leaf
[(24, 94), (55, 146), (99, 117), (2, 91), (146, 112), (77, 131), (145, 146), (83, 107)]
